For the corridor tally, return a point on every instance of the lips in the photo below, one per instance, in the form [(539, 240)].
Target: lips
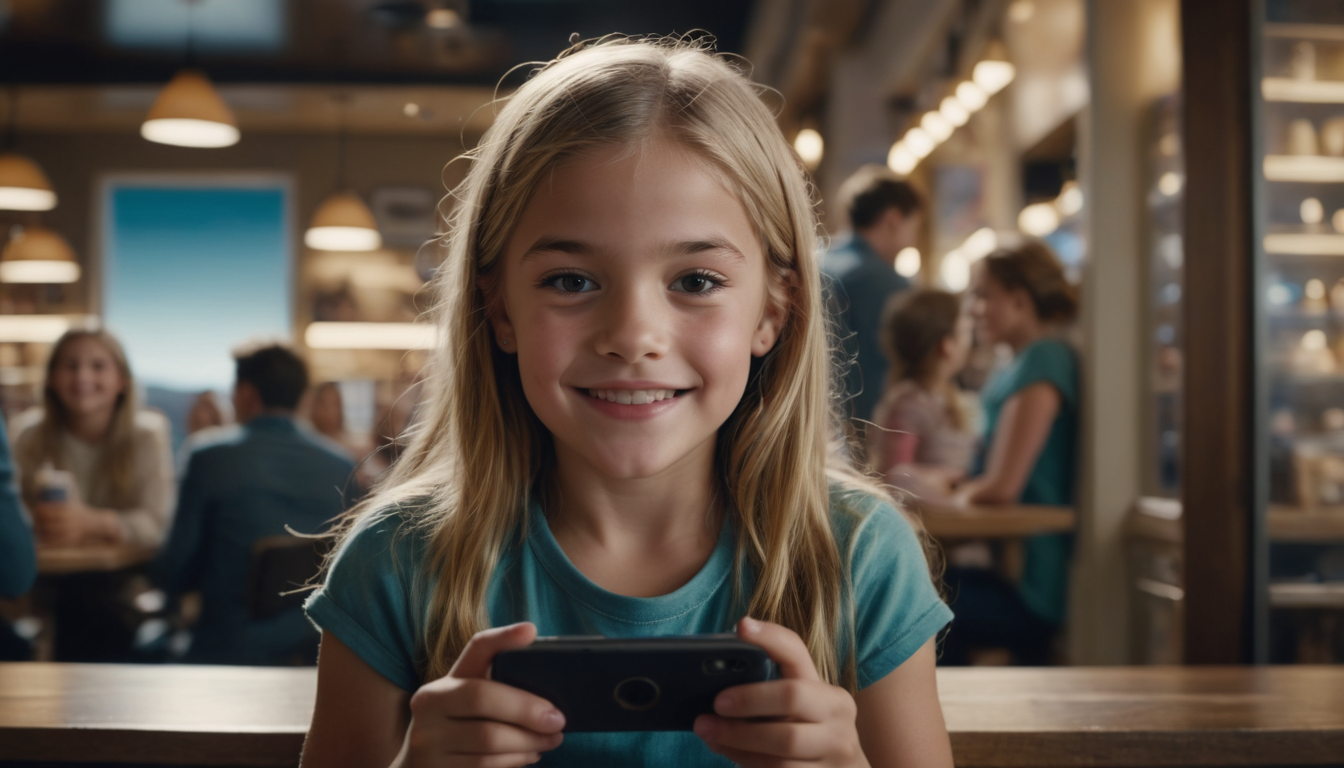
[(632, 396)]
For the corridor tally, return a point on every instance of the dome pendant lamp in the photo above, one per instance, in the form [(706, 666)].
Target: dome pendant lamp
[(23, 185), (37, 255), (342, 222), (190, 113)]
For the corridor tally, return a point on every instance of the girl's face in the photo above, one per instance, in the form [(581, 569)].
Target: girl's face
[(633, 291), (999, 313), (957, 347), (86, 378)]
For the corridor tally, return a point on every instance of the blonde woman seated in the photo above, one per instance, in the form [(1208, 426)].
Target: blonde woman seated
[(922, 443), (93, 468)]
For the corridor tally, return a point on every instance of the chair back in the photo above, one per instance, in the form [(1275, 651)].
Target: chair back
[(280, 568)]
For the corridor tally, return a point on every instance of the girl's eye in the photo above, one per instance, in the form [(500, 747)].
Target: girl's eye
[(570, 283), (697, 282)]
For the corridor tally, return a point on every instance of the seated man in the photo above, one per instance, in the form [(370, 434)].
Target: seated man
[(243, 484)]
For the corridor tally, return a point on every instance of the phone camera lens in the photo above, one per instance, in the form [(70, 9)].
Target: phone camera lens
[(637, 694), (714, 666), (738, 665)]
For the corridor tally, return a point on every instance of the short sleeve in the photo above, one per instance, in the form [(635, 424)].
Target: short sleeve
[(367, 600), (897, 609), (1051, 361)]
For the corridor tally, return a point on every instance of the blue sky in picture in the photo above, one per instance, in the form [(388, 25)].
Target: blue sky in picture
[(192, 272)]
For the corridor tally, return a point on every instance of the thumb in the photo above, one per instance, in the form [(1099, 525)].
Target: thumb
[(476, 658)]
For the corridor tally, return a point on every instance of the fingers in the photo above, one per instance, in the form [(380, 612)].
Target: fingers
[(784, 646), (488, 700), (795, 741), (490, 738), (481, 649), (796, 700), (496, 761)]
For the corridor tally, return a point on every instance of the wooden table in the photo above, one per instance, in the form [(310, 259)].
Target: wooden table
[(1060, 717), (995, 521), (62, 560), (1160, 520)]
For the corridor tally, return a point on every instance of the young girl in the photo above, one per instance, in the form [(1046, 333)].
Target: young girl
[(922, 444), (118, 456), (627, 434), (1021, 298)]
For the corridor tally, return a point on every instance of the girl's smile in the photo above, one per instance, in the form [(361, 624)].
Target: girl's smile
[(634, 294)]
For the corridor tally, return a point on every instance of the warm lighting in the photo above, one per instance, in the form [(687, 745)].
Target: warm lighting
[(1021, 11), (1297, 244), (919, 142), (23, 185), (900, 159), (37, 255), (411, 109), (1312, 211), (972, 96), (190, 113), (1070, 200), (1038, 219), (937, 126), (809, 146), (1302, 91), (953, 111), (980, 244), (443, 18), (343, 223), (1314, 340), (1305, 168), (993, 76), (908, 262), (1169, 184), (32, 329), (1315, 289), (955, 271), (324, 335)]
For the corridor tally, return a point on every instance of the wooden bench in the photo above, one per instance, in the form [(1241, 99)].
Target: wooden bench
[(1117, 716)]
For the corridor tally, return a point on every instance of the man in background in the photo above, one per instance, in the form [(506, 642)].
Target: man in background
[(885, 214), (245, 484)]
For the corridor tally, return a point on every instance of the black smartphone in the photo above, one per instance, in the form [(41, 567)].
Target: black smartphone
[(633, 684)]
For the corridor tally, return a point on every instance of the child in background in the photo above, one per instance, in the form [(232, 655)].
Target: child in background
[(923, 444), (627, 432)]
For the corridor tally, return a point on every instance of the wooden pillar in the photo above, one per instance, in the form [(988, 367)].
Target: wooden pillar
[(1218, 470)]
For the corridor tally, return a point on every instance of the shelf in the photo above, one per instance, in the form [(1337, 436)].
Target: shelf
[(1307, 168), (395, 336), (1306, 31), (1302, 91), (1305, 244)]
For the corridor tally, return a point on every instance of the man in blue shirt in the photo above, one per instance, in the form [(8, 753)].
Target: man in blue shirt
[(245, 483), (885, 214), (18, 559)]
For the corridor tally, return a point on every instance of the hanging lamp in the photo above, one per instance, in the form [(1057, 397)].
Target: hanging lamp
[(188, 111), (994, 72), (23, 185), (342, 222), (37, 255)]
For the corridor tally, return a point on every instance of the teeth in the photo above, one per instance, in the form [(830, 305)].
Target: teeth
[(632, 396)]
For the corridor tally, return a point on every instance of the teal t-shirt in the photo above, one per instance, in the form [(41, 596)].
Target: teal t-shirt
[(1045, 566), (372, 603)]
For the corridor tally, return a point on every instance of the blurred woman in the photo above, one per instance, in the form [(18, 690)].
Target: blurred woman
[(922, 443), (94, 468), (1021, 299)]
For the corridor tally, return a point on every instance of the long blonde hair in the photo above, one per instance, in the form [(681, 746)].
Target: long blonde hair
[(117, 473), (479, 455)]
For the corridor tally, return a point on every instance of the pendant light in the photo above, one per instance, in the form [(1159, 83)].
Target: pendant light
[(23, 185), (37, 255), (188, 111), (342, 222)]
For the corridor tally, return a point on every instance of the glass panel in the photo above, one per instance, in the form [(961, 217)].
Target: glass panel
[(1165, 182), (1301, 231)]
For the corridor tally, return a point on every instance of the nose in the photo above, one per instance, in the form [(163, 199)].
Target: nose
[(634, 326)]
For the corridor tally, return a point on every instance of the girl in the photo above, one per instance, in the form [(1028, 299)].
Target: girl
[(626, 433), (922, 443), (118, 456), (1020, 298)]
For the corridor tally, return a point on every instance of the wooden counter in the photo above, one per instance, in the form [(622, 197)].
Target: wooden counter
[(61, 560), (994, 521), (1160, 520), (1170, 716)]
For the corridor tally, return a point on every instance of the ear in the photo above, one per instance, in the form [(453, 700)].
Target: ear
[(772, 321), (498, 315)]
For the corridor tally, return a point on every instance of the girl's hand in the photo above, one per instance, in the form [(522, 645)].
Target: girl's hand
[(810, 721), (70, 523), (465, 719)]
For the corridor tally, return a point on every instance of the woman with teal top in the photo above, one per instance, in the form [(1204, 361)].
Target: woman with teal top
[(1020, 298)]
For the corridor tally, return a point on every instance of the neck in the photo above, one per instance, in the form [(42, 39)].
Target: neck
[(90, 427), (283, 413), (878, 244), (1029, 332)]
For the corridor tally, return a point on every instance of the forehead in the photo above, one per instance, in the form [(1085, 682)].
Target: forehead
[(634, 195)]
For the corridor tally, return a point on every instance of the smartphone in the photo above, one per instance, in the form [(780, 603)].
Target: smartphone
[(633, 684)]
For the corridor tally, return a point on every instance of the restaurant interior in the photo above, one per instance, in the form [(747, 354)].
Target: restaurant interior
[(199, 177)]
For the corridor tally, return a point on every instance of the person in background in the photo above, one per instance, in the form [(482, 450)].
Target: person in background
[(920, 441), (326, 411), (1021, 299), (205, 413), (885, 214), (18, 560), (261, 478), (93, 467)]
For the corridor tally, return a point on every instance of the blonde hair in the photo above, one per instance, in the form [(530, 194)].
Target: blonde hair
[(117, 472), (479, 455)]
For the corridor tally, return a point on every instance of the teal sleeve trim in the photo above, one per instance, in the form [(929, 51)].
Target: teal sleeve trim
[(886, 659), (328, 616)]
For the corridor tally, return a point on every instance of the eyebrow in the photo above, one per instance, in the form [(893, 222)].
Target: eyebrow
[(681, 248)]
